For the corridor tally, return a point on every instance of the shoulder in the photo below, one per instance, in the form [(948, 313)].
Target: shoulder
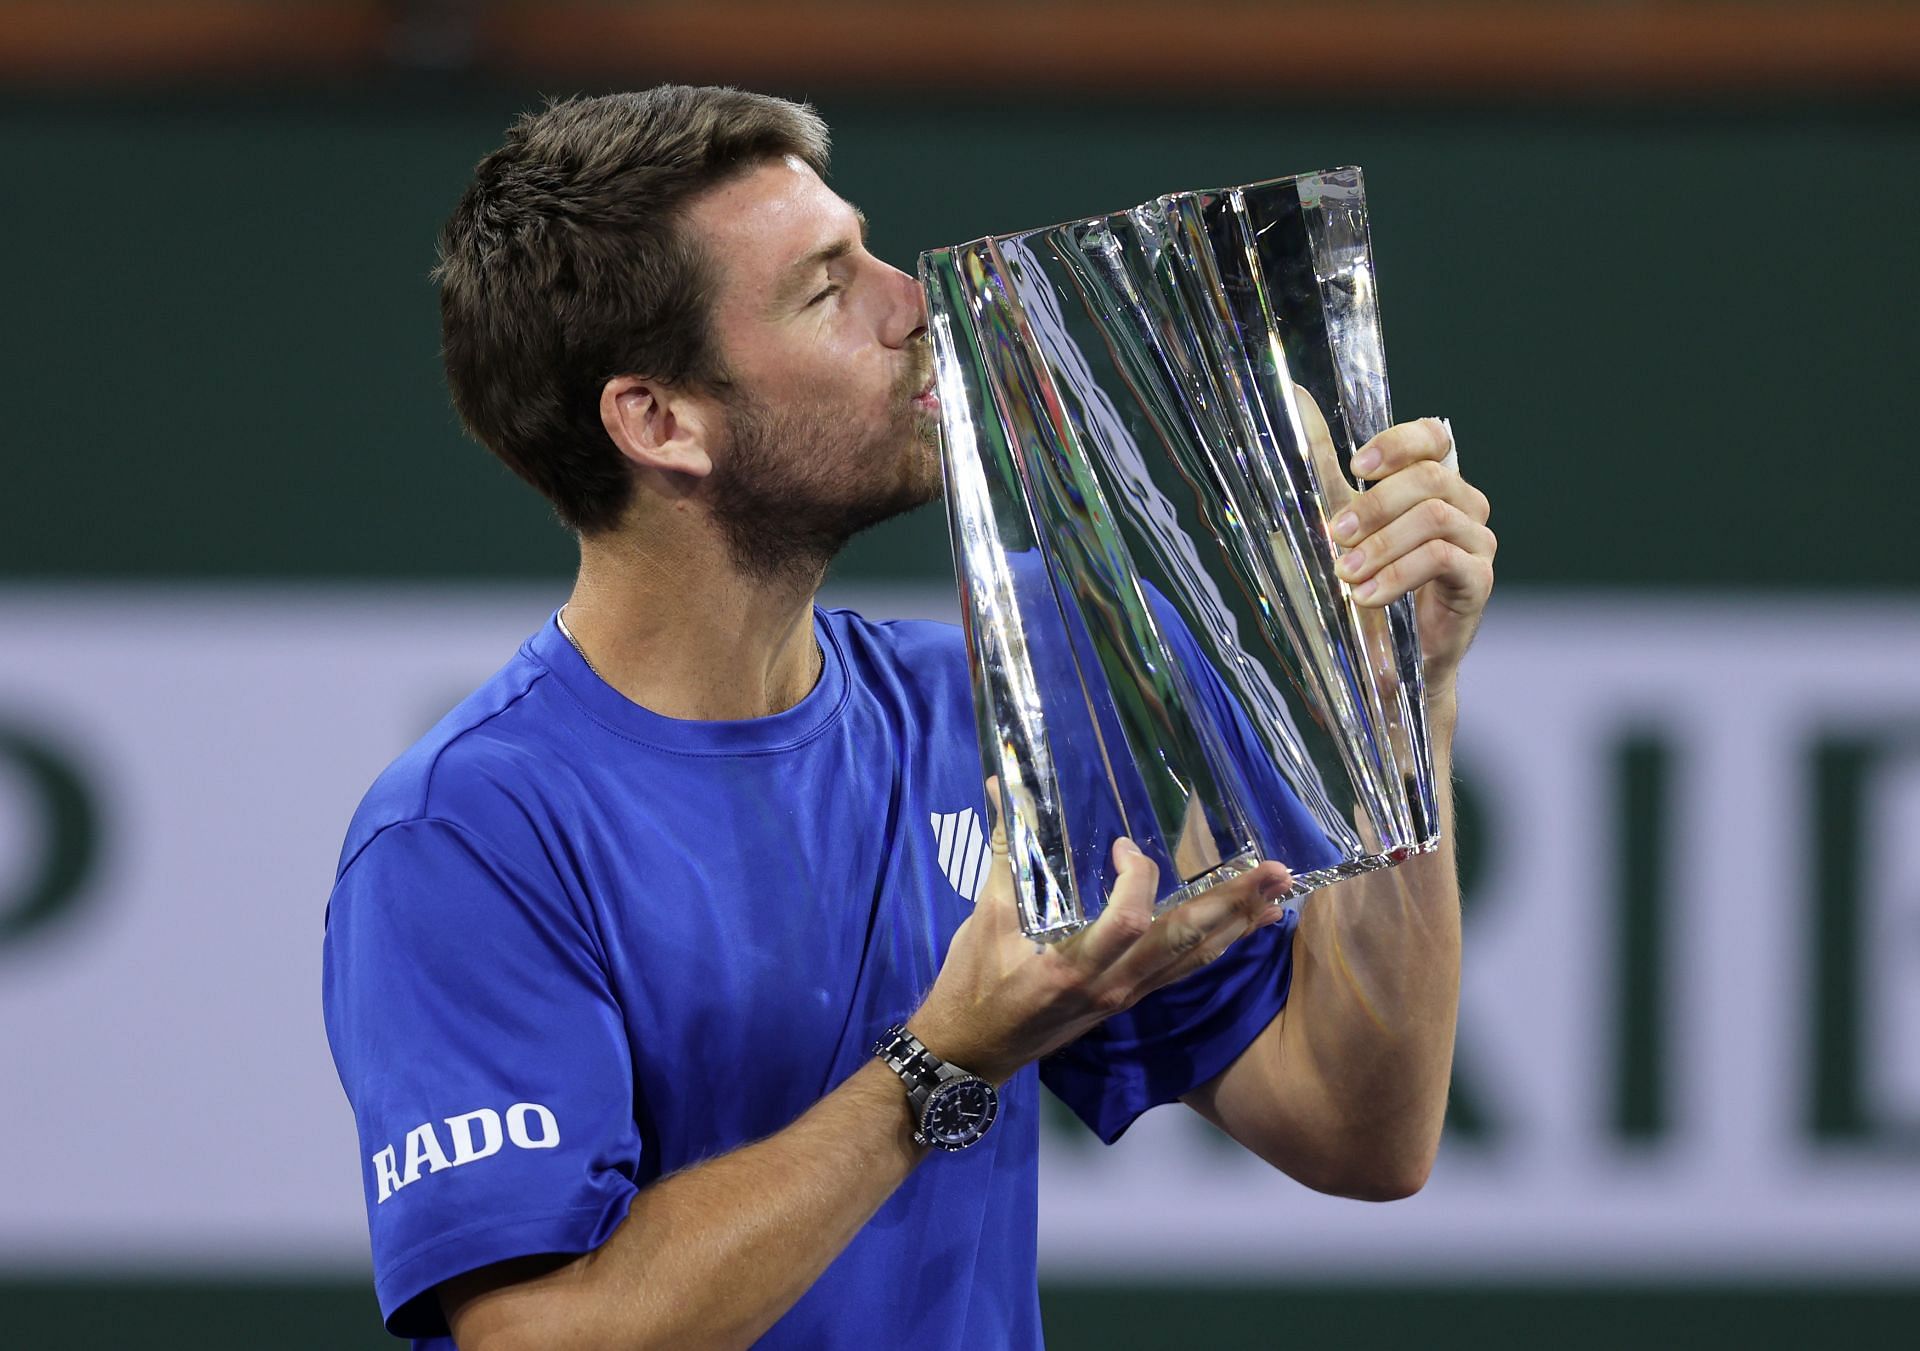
[(908, 661), (922, 645), (476, 769)]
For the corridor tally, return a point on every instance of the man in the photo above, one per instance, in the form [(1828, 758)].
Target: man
[(610, 949)]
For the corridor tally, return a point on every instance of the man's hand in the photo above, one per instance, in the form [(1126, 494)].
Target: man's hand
[(1002, 1001), (1419, 528)]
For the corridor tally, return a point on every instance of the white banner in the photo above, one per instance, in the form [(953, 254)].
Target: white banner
[(1690, 1034)]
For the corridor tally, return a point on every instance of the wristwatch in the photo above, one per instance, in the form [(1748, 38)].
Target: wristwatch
[(954, 1108)]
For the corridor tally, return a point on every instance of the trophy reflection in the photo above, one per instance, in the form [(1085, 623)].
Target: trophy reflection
[(1145, 422)]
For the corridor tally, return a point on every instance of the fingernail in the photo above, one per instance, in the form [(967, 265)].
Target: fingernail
[(1127, 846), (1346, 527), (1350, 565), (1366, 461), (1365, 590)]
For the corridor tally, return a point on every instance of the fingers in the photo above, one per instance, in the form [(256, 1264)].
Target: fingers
[(1392, 493), (1196, 932), (995, 901), (1129, 913), (1432, 540), (1335, 491), (1403, 444), (1419, 523), (1124, 953), (1464, 580)]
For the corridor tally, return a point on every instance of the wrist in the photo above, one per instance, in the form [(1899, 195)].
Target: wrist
[(953, 1108), (950, 1041), (1443, 706), (878, 1082)]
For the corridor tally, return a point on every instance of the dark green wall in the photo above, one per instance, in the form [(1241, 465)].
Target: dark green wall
[(158, 1316), (1677, 343)]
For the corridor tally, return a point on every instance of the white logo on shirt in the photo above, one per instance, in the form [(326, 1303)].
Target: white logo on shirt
[(475, 1135), (963, 850)]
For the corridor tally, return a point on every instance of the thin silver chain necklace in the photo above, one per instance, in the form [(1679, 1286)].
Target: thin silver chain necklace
[(560, 618)]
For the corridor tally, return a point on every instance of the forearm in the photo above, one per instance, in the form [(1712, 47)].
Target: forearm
[(713, 1255), (1375, 997), (1347, 1087)]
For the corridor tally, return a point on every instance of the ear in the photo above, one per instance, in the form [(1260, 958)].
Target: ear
[(658, 427)]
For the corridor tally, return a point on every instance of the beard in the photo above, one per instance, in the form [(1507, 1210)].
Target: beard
[(797, 483)]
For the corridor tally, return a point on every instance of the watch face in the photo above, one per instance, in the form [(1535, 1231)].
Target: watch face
[(958, 1113)]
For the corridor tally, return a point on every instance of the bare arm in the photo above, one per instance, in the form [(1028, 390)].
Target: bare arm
[(712, 1256), (1345, 1090)]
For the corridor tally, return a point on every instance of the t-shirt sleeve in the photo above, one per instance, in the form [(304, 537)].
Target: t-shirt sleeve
[(475, 1032), (1178, 1037)]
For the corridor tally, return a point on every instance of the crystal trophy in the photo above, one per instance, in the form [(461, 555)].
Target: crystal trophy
[(1146, 419)]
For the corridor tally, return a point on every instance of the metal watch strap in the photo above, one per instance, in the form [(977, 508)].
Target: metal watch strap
[(924, 1074), (907, 1056)]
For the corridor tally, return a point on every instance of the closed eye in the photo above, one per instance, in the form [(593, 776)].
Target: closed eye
[(832, 290)]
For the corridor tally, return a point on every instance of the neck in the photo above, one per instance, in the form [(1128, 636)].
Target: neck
[(674, 626)]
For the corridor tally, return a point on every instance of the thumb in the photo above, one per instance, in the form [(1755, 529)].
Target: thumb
[(996, 898), (996, 822)]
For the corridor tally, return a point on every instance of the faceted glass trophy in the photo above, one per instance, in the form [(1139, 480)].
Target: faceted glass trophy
[(1146, 419)]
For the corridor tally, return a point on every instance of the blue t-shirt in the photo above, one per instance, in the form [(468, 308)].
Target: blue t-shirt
[(574, 945)]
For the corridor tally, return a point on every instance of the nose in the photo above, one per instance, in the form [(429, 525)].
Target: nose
[(906, 318)]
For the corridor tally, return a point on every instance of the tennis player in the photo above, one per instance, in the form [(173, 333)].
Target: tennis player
[(674, 978)]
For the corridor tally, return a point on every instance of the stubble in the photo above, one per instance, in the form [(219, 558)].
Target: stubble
[(796, 484)]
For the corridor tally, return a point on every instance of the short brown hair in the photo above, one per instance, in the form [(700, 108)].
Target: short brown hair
[(564, 266)]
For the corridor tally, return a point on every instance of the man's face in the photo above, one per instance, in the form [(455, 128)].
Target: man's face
[(830, 420)]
